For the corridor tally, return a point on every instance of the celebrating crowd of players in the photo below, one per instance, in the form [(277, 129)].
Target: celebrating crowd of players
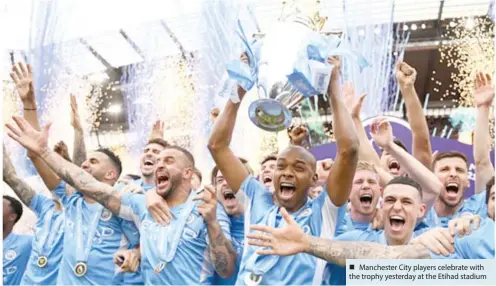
[(289, 224)]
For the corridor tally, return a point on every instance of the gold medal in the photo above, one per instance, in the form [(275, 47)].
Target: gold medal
[(42, 261), (159, 267), (80, 269)]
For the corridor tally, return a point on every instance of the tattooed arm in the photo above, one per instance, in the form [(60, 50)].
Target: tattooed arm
[(338, 251), (83, 181), (221, 251), (20, 187)]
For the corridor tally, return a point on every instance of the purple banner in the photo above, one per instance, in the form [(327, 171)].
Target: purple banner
[(401, 130)]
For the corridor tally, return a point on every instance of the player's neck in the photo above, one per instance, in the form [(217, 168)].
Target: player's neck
[(394, 241), (358, 217), (7, 229), (148, 180), (443, 210), (179, 196)]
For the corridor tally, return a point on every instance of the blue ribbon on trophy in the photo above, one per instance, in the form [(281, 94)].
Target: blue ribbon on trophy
[(309, 76)]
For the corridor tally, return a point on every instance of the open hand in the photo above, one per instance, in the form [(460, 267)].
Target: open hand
[(31, 139), (157, 130), (382, 132), (484, 90), (22, 76), (288, 240)]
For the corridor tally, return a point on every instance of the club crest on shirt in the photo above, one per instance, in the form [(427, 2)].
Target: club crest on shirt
[(305, 213), (10, 255), (106, 215), (188, 233)]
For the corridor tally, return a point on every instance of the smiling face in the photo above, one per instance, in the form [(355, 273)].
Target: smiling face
[(172, 170), (266, 175), (402, 207), (293, 178), (453, 173), (149, 159), (365, 192)]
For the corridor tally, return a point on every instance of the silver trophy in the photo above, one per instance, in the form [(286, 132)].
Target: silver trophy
[(279, 52), (273, 113)]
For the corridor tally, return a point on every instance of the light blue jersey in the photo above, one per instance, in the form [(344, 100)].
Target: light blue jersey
[(476, 205), (109, 235), (318, 217), (189, 263), (16, 251), (477, 245), (132, 278), (238, 239), (348, 224), (48, 242)]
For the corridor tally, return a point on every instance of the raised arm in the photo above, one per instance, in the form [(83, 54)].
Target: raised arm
[(231, 167), (431, 185), (22, 76), (221, 250), (157, 130), (79, 151), (291, 239), (421, 146), (36, 142), (20, 187), (343, 169), (365, 152), (483, 96)]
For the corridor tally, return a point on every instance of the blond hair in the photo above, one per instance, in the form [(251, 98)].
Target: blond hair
[(366, 166)]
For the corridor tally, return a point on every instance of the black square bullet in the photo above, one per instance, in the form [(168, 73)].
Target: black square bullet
[(352, 267)]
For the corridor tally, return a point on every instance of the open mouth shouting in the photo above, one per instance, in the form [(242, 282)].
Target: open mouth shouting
[(366, 200), (229, 198), (394, 167), (162, 179), (452, 189), (396, 222), (149, 162), (267, 180), (287, 190)]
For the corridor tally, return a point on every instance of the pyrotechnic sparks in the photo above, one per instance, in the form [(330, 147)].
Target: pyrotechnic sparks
[(467, 46)]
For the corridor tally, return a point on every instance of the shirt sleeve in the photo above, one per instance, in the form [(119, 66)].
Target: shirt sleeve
[(258, 198), (134, 203), (40, 204), (131, 232), (476, 204), (59, 191), (332, 216)]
